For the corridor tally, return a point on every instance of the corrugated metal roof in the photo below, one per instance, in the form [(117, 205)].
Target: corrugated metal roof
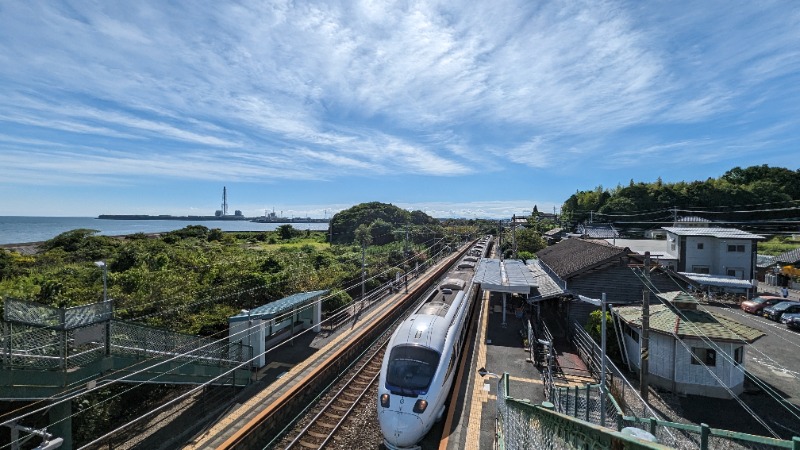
[(690, 323), (718, 280), (504, 276), (278, 307), (730, 233), (546, 285)]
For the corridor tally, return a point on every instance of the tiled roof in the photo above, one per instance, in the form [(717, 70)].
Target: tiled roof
[(765, 260), (695, 219), (599, 231), (730, 233), (572, 256), (792, 256), (690, 323)]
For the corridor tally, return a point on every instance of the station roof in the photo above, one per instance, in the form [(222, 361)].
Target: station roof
[(511, 276), (278, 307), (546, 286)]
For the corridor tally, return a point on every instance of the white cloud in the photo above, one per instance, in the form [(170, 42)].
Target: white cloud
[(322, 90)]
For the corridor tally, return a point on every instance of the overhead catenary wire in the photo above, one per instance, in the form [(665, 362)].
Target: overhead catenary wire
[(707, 340), (75, 396), (101, 438)]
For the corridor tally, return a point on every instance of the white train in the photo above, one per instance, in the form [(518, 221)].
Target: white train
[(422, 357)]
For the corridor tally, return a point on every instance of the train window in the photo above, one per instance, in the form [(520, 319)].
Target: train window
[(411, 369)]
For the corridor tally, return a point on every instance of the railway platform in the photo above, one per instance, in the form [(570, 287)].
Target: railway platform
[(499, 349)]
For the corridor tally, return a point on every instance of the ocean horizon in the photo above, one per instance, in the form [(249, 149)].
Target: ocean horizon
[(30, 229)]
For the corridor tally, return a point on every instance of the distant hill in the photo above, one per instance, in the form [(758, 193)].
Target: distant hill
[(752, 193)]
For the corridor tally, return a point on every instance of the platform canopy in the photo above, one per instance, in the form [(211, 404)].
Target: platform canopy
[(511, 276), (278, 307), (723, 281)]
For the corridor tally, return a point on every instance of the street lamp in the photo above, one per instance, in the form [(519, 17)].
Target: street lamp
[(105, 275)]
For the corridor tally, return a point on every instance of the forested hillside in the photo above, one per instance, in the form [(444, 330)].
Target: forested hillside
[(752, 193)]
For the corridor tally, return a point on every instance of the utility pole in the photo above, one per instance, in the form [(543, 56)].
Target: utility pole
[(644, 361), (500, 233), (514, 234), (363, 271)]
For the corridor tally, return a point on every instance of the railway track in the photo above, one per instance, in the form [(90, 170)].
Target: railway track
[(333, 415)]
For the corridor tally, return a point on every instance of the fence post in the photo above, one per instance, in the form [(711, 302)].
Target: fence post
[(587, 402), (796, 443), (576, 401), (705, 430), (652, 426)]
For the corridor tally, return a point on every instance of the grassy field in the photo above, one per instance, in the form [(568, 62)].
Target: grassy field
[(777, 245)]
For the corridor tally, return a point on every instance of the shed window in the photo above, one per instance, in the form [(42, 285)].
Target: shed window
[(705, 356), (699, 245), (736, 248), (738, 355)]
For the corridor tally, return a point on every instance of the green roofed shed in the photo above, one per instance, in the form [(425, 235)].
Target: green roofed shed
[(279, 307), (275, 322)]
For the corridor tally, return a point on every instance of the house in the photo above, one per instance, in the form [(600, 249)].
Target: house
[(788, 269), (714, 251), (691, 350), (593, 267), (554, 235)]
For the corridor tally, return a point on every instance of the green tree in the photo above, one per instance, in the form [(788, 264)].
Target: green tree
[(286, 231), (593, 327), (381, 232), (529, 240)]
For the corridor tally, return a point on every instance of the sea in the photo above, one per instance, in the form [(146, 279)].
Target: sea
[(21, 230)]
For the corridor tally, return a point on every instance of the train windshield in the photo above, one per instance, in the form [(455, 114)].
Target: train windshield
[(411, 369)]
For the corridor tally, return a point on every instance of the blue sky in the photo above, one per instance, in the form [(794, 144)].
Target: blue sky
[(465, 109)]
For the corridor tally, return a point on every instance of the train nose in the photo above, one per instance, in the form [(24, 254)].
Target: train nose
[(401, 430)]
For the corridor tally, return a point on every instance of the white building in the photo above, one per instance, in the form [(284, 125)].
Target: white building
[(691, 351), (714, 251)]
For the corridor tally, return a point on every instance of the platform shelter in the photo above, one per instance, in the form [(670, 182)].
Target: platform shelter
[(510, 276), (270, 324)]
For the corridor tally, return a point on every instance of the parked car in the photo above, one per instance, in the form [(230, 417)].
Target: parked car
[(755, 305), (786, 317), (794, 323), (775, 312)]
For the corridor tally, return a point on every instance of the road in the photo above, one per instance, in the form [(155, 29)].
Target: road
[(775, 359)]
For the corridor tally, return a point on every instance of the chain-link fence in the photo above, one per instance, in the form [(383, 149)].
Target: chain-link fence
[(521, 425), (32, 313), (138, 340), (37, 348)]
